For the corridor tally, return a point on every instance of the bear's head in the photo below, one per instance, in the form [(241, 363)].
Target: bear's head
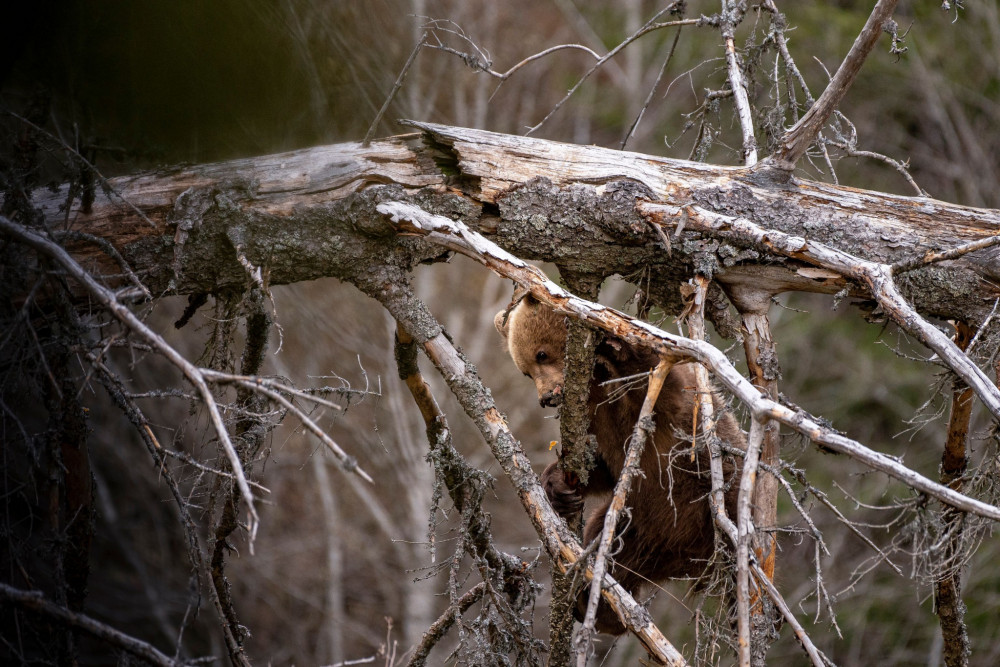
[(535, 336)]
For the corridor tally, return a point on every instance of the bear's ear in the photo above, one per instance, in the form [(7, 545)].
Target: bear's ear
[(500, 321), (613, 350)]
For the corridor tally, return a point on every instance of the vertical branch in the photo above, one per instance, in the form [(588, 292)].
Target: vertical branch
[(576, 455), (72, 501), (248, 434), (335, 616), (745, 534), (948, 603), (642, 431), (724, 524), (732, 14), (762, 362)]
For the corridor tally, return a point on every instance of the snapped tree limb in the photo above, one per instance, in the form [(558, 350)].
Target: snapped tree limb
[(308, 213)]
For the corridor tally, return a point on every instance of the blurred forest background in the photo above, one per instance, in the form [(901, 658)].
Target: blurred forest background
[(341, 569)]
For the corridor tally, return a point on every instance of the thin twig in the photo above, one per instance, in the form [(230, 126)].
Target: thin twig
[(395, 88), (193, 374), (649, 26), (347, 462), (652, 91)]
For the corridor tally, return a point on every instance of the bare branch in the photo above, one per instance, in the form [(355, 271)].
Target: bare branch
[(563, 547), (440, 627), (35, 601), (725, 525), (944, 255), (347, 462), (652, 91), (458, 237), (731, 16), (797, 140), (108, 299), (395, 88), (877, 277), (744, 535), (640, 434), (648, 27)]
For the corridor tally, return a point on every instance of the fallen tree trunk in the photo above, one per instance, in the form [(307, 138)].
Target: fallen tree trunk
[(308, 213)]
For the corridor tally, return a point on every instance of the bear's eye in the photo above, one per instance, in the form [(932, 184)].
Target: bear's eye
[(541, 356)]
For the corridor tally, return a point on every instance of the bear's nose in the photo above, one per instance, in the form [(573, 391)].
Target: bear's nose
[(551, 399)]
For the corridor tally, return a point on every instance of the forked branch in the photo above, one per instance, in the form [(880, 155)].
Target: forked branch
[(798, 139)]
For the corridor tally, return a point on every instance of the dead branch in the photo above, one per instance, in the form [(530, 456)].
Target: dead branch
[(648, 27), (443, 624), (877, 277), (763, 576), (945, 255), (745, 531), (108, 299), (465, 486), (637, 443), (259, 385), (458, 237), (732, 15), (948, 602), (366, 142), (34, 601), (561, 546), (797, 140)]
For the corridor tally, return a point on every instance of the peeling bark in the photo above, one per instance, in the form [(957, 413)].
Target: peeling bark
[(310, 213)]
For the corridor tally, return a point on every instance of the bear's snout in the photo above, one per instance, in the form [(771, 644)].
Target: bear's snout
[(551, 399)]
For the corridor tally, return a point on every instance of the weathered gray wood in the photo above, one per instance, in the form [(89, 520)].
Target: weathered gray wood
[(301, 215)]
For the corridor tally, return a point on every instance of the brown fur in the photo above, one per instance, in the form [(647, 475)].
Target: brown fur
[(670, 533)]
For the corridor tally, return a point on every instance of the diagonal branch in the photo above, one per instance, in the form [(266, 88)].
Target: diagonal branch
[(35, 601), (262, 386), (562, 546), (640, 434), (797, 140), (877, 277), (108, 299), (458, 237)]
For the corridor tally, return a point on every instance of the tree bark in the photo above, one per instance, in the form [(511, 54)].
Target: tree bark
[(310, 213)]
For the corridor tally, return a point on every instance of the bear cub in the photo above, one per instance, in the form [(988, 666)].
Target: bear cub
[(670, 532)]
